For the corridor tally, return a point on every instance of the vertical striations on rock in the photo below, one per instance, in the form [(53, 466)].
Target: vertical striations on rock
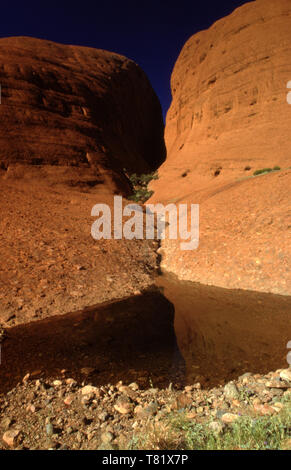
[(229, 117)]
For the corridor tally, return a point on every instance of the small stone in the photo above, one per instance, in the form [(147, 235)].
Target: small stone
[(49, 429), (146, 411), (68, 400), (11, 437), (236, 403), (37, 384), (231, 391), (264, 410), (286, 375), (91, 435), (245, 376), (89, 390), (107, 437), (277, 407), (229, 418), (245, 380), (25, 378), (257, 401), (71, 382), (103, 416), (6, 423), (182, 401), (134, 386), (124, 389), (79, 437), (277, 384), (216, 427), (123, 407), (57, 383), (31, 408)]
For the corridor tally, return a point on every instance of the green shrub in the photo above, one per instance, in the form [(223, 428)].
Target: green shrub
[(254, 432), (140, 186), (267, 170), (261, 172), (141, 196)]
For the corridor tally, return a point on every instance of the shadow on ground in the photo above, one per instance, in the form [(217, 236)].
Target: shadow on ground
[(129, 340)]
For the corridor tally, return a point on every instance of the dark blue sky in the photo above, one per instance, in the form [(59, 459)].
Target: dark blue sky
[(150, 32)]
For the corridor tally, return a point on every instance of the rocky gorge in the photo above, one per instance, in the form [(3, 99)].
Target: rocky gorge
[(102, 339)]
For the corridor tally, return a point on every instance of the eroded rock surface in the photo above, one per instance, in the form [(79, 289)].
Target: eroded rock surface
[(77, 106), (72, 119), (229, 117)]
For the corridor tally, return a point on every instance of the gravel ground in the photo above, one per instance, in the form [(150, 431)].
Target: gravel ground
[(60, 413)]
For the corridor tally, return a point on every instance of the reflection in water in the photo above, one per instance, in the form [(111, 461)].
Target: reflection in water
[(130, 340), (223, 333)]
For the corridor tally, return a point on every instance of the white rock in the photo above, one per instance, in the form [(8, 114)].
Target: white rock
[(286, 375), (89, 390)]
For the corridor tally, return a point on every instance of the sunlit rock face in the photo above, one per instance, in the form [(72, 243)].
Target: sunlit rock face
[(230, 117)]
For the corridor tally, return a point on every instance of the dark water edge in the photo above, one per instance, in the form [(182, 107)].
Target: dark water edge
[(223, 333), (129, 340), (177, 333)]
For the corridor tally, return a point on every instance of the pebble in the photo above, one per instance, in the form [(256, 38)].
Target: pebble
[(49, 429), (134, 386), (107, 437), (286, 375), (89, 390), (25, 378), (11, 437), (231, 391), (229, 418), (264, 410), (216, 427), (276, 384), (123, 407), (6, 423), (57, 383), (68, 400), (87, 416)]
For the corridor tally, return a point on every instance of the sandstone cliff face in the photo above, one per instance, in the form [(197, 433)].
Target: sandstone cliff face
[(76, 106), (71, 119), (229, 117)]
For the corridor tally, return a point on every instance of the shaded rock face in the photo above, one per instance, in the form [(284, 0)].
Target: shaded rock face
[(76, 106), (71, 119), (229, 117)]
